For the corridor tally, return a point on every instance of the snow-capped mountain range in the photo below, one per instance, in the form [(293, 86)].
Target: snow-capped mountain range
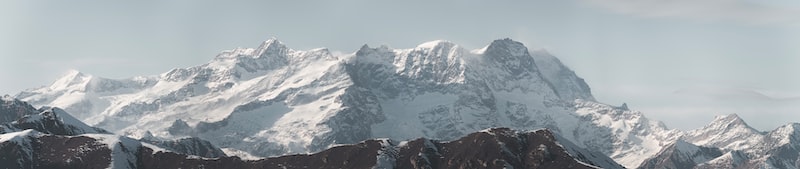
[(273, 100), (54, 139)]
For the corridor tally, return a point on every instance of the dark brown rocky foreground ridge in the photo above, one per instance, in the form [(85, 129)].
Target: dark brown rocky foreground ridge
[(491, 148)]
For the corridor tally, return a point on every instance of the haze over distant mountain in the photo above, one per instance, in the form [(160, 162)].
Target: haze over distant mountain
[(273, 100)]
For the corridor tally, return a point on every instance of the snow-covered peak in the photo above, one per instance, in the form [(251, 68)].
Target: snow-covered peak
[(776, 149), (271, 47), (73, 73), (271, 40), (367, 54), (436, 44), (507, 47), (727, 122), (728, 119), (73, 79), (272, 54), (511, 57), (727, 131), (786, 134), (787, 129)]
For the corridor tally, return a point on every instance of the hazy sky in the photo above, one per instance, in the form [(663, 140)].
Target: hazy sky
[(678, 61)]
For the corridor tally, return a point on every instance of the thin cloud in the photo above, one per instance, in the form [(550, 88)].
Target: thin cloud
[(704, 10), (733, 93)]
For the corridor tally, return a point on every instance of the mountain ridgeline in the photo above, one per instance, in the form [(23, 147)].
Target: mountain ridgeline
[(59, 141), (273, 101)]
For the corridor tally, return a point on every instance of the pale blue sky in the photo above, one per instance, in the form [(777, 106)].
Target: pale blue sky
[(678, 61)]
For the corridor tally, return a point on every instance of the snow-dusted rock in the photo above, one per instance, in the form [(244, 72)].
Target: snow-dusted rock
[(48, 120), (681, 154)]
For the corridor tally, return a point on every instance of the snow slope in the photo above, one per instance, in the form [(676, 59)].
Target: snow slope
[(123, 149)]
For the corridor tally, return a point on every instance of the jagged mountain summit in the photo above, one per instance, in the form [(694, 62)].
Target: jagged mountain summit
[(745, 147), (274, 100), (20, 116), (727, 132), (729, 142), (681, 154)]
